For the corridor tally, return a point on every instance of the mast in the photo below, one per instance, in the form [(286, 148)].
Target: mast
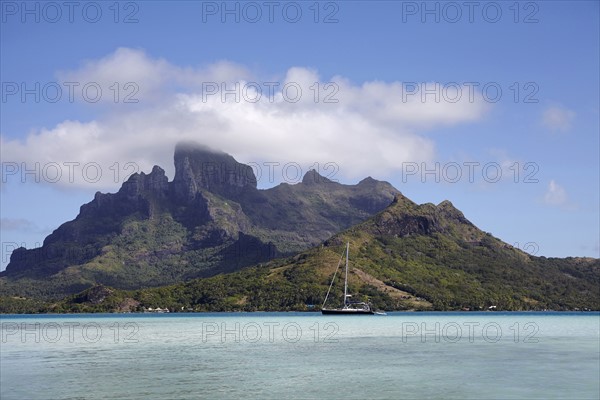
[(346, 280)]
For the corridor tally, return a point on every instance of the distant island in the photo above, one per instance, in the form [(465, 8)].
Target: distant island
[(211, 241)]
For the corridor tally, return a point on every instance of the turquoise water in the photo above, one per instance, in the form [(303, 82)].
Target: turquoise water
[(301, 355)]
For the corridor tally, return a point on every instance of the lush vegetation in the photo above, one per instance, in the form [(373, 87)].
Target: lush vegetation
[(407, 257), (210, 219), (209, 241)]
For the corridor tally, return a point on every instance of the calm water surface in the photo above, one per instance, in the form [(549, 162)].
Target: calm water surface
[(301, 355)]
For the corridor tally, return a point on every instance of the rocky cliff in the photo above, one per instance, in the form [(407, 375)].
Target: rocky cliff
[(210, 219)]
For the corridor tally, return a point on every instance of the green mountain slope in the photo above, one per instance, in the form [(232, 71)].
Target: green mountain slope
[(409, 256), (210, 219)]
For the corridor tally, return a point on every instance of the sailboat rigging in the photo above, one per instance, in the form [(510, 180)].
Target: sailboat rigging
[(348, 307)]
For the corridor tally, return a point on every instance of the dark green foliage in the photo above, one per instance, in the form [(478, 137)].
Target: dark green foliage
[(407, 257), (210, 219)]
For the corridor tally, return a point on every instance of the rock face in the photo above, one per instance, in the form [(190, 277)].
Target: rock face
[(210, 219), (156, 183), (406, 257), (94, 295), (312, 177), (424, 219), (198, 168)]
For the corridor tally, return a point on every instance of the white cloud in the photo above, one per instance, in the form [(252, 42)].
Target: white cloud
[(558, 119), (555, 195), (370, 130), (153, 77)]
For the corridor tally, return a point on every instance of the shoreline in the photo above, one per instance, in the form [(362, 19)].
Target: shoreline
[(300, 313)]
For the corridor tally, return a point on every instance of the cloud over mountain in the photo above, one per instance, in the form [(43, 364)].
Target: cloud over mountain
[(299, 117)]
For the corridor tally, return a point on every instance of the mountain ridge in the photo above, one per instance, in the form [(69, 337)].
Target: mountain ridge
[(210, 240), (406, 257), (211, 218)]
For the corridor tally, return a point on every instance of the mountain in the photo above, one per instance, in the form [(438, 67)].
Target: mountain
[(210, 219), (407, 257)]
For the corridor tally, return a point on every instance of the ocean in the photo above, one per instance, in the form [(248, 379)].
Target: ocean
[(429, 355)]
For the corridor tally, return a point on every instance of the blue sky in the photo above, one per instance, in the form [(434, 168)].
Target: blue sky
[(511, 97)]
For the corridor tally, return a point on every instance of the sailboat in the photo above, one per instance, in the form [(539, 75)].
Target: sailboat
[(348, 307)]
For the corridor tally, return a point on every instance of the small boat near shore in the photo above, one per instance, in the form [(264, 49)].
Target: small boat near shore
[(348, 307)]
